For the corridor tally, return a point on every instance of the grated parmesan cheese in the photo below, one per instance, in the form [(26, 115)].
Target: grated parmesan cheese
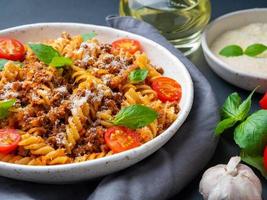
[(8, 93), (106, 78), (85, 60), (77, 102), (61, 89), (34, 97)]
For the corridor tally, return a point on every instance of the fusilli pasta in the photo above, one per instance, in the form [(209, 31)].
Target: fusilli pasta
[(65, 113)]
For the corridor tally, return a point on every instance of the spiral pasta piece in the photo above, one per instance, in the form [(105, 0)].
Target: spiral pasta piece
[(92, 156), (10, 73), (17, 159), (37, 146), (105, 117)]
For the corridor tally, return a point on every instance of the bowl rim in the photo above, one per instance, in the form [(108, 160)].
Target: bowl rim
[(129, 153), (207, 51)]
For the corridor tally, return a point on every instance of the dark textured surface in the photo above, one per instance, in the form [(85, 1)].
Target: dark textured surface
[(17, 12)]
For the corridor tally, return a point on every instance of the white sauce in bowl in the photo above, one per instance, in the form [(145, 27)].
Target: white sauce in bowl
[(244, 36)]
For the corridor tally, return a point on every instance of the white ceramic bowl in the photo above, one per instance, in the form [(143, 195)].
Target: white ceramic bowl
[(225, 23), (103, 166)]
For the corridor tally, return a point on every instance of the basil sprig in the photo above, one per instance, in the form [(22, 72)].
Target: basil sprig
[(4, 107), (233, 111), (49, 55), (88, 36), (138, 75), (250, 132), (235, 50), (135, 116)]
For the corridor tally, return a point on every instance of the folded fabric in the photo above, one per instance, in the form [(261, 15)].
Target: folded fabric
[(161, 175)]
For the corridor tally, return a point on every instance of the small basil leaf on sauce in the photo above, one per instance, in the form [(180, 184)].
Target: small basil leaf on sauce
[(60, 61), (231, 51), (2, 64), (251, 134), (232, 111), (4, 61), (255, 49), (20, 64), (138, 75), (44, 52), (4, 107), (88, 36), (135, 116), (255, 161)]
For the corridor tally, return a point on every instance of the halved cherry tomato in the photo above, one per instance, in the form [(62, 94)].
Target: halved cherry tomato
[(265, 158), (129, 45), (120, 139), (11, 49), (263, 101), (167, 89), (9, 139)]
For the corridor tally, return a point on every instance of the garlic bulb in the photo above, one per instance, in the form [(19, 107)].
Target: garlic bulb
[(233, 181)]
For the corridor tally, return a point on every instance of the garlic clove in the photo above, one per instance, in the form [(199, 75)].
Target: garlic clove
[(233, 181), (207, 181), (231, 167)]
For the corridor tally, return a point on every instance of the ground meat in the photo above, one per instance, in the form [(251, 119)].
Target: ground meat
[(92, 141), (113, 103), (60, 112), (159, 70), (57, 137), (105, 48)]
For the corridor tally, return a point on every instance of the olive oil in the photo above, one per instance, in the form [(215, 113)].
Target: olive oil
[(180, 21)]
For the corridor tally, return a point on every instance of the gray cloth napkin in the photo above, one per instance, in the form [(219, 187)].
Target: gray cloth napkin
[(161, 175)]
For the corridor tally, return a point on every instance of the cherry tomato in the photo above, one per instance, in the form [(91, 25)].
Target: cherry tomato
[(128, 45), (120, 139), (263, 101), (11, 49), (265, 158), (9, 139), (167, 89)]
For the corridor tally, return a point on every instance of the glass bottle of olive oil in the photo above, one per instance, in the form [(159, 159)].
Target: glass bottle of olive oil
[(180, 21)]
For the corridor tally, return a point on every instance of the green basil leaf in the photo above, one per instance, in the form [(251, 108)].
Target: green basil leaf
[(2, 64), (230, 106), (251, 135), (44, 52), (255, 161), (19, 63), (138, 75), (255, 49), (231, 51), (135, 116), (88, 36), (244, 107), (4, 107), (233, 111), (60, 61), (224, 124)]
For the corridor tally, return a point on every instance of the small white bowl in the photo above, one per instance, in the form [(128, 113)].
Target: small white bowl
[(95, 168), (221, 25)]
